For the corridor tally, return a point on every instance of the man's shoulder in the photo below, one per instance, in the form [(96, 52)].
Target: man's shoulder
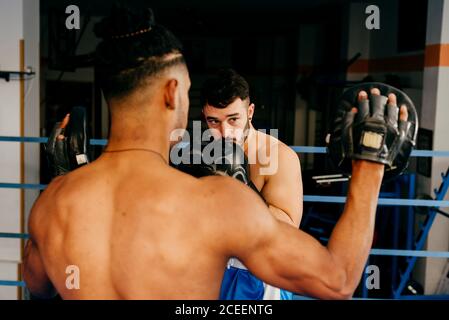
[(59, 193), (62, 188), (287, 154), (233, 206), (218, 185), (51, 193), (225, 195), (273, 153), (272, 146), (44, 207)]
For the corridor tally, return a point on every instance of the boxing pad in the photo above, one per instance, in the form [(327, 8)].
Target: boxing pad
[(67, 145), (375, 133)]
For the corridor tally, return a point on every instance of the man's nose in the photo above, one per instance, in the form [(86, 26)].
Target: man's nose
[(226, 131)]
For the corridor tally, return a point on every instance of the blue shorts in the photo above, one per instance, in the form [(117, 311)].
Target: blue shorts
[(240, 284)]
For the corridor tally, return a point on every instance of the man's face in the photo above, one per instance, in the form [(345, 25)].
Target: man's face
[(231, 122)]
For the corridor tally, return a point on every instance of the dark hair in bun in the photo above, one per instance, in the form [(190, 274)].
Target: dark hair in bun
[(133, 48)]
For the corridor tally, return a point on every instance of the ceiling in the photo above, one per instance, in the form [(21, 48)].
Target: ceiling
[(218, 17), (102, 7)]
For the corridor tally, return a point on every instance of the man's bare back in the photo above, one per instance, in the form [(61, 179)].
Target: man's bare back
[(135, 233)]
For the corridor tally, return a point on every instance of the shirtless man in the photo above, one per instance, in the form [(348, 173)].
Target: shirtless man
[(129, 212), (274, 170)]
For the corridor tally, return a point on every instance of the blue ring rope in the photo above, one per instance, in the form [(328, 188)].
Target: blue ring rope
[(382, 201), (22, 186), (24, 139), (298, 149), (12, 235), (12, 283), (409, 253)]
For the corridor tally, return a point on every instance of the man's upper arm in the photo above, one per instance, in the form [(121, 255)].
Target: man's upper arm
[(291, 259), (33, 270), (283, 190), (34, 273), (275, 252)]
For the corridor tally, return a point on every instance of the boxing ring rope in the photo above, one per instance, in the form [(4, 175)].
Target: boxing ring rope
[(307, 198), (297, 149)]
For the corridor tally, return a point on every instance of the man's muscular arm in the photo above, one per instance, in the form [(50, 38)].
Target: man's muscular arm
[(289, 258), (34, 274), (33, 270), (283, 190)]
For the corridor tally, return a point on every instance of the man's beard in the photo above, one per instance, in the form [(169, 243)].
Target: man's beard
[(241, 140)]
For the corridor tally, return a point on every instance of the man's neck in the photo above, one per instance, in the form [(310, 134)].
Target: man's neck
[(125, 135)]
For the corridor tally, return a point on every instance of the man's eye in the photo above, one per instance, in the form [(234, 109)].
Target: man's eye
[(233, 119), (213, 121)]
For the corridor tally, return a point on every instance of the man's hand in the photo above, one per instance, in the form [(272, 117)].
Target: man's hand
[(67, 146), (377, 134), (56, 149)]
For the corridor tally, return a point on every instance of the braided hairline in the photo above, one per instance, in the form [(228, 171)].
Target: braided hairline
[(125, 81), (155, 64)]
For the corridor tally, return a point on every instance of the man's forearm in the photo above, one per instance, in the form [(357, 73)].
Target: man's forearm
[(352, 237)]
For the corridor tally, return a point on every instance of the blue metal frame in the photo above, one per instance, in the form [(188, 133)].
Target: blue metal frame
[(395, 235), (422, 236), (409, 180), (410, 213)]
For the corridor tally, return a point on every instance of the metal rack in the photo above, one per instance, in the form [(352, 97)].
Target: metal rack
[(7, 74)]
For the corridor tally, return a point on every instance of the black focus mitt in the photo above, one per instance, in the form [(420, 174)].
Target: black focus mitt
[(375, 133), (67, 145)]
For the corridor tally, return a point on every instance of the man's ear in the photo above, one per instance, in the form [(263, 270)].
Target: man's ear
[(251, 111), (170, 93)]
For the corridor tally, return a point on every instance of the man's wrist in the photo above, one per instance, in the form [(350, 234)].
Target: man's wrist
[(368, 167)]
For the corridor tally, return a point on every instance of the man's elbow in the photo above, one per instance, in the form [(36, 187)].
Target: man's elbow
[(340, 295), (40, 292), (340, 290), (339, 286), (344, 291), (38, 288), (331, 286)]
